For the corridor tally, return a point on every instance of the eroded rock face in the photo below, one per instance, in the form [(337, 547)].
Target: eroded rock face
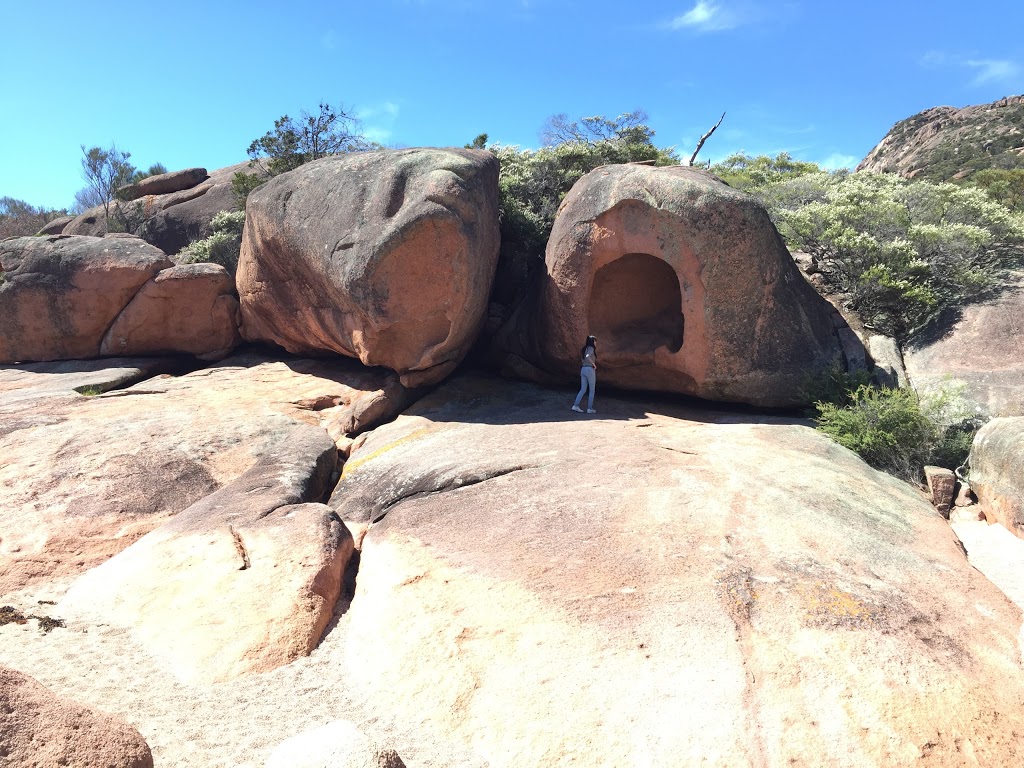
[(384, 256), (687, 286), (188, 308), (85, 476), (659, 586), (39, 728), (984, 351), (997, 472), (245, 580), (60, 294)]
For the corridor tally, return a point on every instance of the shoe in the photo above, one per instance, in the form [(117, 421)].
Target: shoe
[(591, 410), (577, 409)]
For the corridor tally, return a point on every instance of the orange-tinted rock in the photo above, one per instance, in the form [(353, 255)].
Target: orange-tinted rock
[(189, 308), (941, 484), (384, 256), (997, 472), (687, 286), (39, 728), (664, 586), (60, 294)]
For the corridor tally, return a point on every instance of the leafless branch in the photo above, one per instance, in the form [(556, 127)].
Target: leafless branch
[(704, 138)]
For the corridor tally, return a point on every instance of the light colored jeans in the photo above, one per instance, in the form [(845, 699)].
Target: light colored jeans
[(588, 379)]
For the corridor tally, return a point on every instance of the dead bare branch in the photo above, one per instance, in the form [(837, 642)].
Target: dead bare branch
[(705, 137)]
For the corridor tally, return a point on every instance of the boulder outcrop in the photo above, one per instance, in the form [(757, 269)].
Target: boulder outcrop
[(660, 586), (169, 220), (384, 256), (39, 728), (75, 297), (983, 350), (687, 286), (163, 183), (244, 580), (56, 226), (997, 472), (189, 308), (60, 294), (84, 476)]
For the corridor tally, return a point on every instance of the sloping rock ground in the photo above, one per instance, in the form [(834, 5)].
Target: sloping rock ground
[(666, 589), (82, 478), (997, 553), (655, 582), (984, 350)]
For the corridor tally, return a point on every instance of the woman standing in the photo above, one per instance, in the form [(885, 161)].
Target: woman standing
[(588, 375)]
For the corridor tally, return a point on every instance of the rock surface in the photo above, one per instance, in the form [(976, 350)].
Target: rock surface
[(997, 472), (61, 294), (657, 586), (245, 580), (56, 226), (164, 183), (977, 137), (384, 256), (941, 485), (172, 220), (687, 286), (984, 350), (39, 728), (82, 478), (339, 744), (189, 308)]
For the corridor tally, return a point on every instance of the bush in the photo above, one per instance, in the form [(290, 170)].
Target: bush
[(902, 251), (222, 246), (899, 432)]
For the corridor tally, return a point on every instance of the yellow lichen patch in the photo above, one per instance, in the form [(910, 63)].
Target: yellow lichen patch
[(354, 464), (828, 604)]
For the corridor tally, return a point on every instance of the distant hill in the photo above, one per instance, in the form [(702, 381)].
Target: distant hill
[(944, 143)]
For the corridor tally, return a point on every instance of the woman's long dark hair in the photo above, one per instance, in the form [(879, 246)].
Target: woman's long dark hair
[(591, 342)]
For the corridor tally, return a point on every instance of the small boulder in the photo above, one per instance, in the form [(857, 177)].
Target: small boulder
[(163, 183), (56, 226), (889, 370), (384, 256), (336, 745), (61, 293), (997, 459), (188, 308), (941, 483), (39, 728), (687, 286)]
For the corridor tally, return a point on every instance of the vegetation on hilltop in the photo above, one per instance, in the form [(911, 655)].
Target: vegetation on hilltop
[(19, 218)]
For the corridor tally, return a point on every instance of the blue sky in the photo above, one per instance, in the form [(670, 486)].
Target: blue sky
[(192, 83)]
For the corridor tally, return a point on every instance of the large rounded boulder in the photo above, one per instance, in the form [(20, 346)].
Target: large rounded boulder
[(687, 286), (997, 457), (384, 256)]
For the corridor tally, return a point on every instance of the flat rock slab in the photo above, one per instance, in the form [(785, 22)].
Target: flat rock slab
[(39, 728), (83, 477), (659, 586), (997, 553)]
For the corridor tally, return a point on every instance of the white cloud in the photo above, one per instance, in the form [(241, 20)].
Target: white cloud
[(707, 16), (933, 59), (992, 69), (837, 160), (379, 120)]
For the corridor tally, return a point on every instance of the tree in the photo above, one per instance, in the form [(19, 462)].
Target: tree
[(331, 130), (156, 169), (20, 218), (480, 142), (104, 171)]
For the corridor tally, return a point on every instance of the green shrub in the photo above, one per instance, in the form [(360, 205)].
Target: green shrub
[(899, 432), (222, 246), (834, 385)]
